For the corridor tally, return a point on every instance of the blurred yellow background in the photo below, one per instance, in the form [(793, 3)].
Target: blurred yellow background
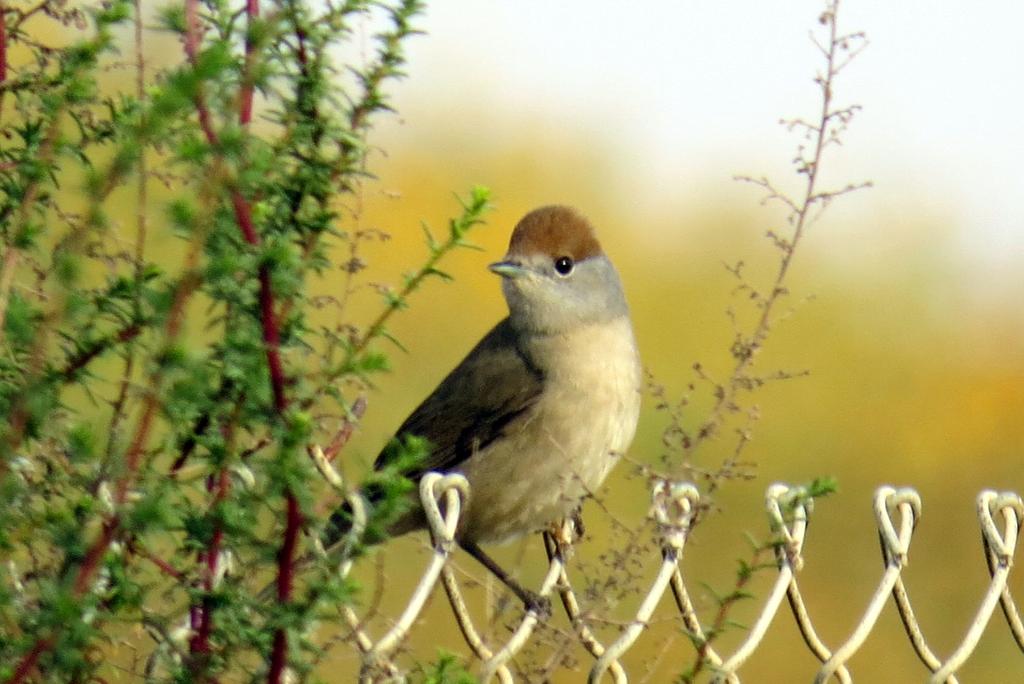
[(914, 336), (912, 382)]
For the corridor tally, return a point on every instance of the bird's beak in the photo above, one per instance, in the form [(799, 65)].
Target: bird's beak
[(508, 269)]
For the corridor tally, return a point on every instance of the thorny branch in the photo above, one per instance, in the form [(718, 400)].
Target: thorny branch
[(93, 558), (185, 119), (271, 333), (838, 52), (142, 204)]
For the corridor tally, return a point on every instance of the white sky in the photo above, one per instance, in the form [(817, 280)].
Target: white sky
[(683, 89)]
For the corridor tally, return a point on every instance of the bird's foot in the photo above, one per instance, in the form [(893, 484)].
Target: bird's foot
[(577, 522), (532, 601), (565, 533), (537, 604)]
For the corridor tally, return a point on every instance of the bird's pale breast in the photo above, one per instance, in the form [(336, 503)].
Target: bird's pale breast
[(583, 422)]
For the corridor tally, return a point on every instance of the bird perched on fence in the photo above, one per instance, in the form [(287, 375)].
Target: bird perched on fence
[(543, 406)]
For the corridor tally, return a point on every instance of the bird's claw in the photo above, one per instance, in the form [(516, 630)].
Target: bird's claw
[(577, 521), (537, 604)]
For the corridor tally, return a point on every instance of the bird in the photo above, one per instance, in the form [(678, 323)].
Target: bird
[(541, 409)]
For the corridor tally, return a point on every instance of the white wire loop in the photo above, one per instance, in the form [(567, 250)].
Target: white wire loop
[(453, 489), (1000, 545), (787, 509), (674, 506), (889, 501)]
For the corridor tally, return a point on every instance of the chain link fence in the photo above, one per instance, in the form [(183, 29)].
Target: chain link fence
[(674, 506), (674, 509)]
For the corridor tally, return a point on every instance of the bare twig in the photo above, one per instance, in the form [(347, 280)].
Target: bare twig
[(831, 122)]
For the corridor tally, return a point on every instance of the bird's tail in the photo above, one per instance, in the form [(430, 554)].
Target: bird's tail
[(338, 525), (385, 513)]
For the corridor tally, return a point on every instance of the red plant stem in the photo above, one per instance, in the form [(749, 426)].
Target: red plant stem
[(202, 616), (252, 10), (92, 560), (287, 552), (271, 332), (271, 338), (28, 663), (86, 356), (285, 581), (12, 254), (213, 555), (165, 567), (243, 217), (89, 566), (300, 33), (347, 428)]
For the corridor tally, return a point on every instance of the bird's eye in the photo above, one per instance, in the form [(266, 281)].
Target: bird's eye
[(564, 265)]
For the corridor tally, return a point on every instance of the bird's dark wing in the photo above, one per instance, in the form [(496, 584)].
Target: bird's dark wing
[(494, 386)]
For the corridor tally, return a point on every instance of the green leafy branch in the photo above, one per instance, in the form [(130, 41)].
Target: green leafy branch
[(357, 361)]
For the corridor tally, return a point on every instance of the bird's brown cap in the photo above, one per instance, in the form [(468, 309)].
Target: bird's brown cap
[(554, 231)]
